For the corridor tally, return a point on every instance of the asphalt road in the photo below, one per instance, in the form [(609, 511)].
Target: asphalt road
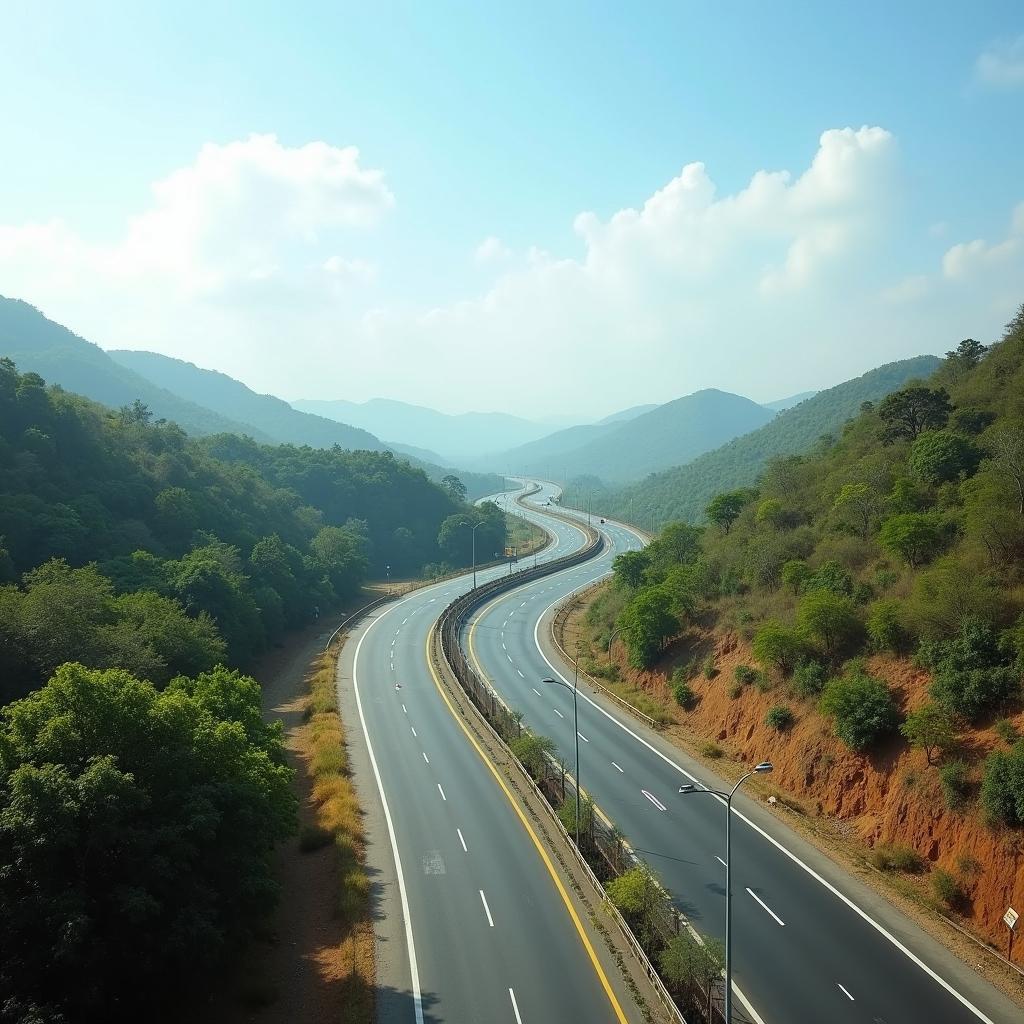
[(802, 953), (486, 936)]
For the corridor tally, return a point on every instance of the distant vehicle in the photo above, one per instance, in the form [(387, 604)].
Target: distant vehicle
[(602, 521)]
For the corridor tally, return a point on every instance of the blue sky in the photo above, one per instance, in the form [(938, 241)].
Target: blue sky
[(508, 121)]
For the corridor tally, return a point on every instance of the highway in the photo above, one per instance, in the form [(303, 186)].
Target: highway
[(805, 950), (485, 935)]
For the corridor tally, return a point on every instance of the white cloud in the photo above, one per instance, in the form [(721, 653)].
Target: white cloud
[(970, 259), (492, 250), (247, 261), (1002, 65)]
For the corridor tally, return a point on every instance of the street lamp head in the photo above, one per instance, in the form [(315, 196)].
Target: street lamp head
[(547, 680), (764, 766), (687, 789)]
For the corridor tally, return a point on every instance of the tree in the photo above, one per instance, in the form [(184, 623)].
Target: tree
[(912, 410), (628, 569), (724, 509), (1002, 786), (777, 646), (1007, 447), (862, 707), (455, 487), (913, 536), (939, 456), (929, 728), (136, 837), (646, 622), (856, 506), (770, 511), (794, 573), (965, 356), (831, 618), (637, 895)]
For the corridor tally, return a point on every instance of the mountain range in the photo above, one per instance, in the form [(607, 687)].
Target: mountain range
[(216, 404)]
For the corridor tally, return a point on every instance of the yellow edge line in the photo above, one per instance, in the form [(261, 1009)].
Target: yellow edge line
[(605, 984)]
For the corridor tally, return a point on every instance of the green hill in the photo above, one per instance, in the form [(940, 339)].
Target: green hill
[(41, 346), (667, 435), (265, 414), (684, 491)]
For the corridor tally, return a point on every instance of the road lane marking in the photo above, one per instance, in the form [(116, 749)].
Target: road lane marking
[(509, 656), (535, 690), (417, 995), (845, 992), (820, 879), (441, 791), (557, 712), (487, 909), (461, 840), (582, 737), (425, 758), (722, 862), (614, 765), (515, 1007), (654, 800), (520, 671), (404, 712), (413, 730), (766, 907), (503, 647), (556, 879)]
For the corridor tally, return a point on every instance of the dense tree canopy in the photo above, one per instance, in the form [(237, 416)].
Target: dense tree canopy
[(135, 833)]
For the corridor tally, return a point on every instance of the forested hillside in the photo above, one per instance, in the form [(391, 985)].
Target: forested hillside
[(125, 544), (271, 417), (682, 492), (39, 345), (878, 584)]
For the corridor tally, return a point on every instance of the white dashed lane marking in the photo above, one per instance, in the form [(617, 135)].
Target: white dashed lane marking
[(778, 919)]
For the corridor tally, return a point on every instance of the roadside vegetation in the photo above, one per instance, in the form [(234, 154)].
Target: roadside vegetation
[(136, 831), (901, 534)]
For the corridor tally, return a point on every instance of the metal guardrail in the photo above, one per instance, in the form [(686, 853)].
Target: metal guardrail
[(556, 786)]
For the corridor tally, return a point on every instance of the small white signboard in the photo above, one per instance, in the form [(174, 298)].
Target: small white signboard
[(1010, 917)]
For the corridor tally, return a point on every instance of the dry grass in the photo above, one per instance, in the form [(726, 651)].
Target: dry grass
[(339, 814)]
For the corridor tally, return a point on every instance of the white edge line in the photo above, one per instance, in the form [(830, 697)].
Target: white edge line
[(417, 995), (913, 957)]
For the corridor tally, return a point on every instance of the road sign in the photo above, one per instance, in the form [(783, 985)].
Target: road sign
[(1010, 917)]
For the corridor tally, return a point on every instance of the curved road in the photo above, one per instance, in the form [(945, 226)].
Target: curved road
[(484, 934), (805, 948)]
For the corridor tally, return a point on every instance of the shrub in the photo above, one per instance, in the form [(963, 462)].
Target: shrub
[(914, 536), (939, 456), (709, 669), (735, 689), (780, 718), (763, 682), (744, 674), (712, 750), (532, 751), (1002, 786), (829, 576), (830, 618), (862, 708), (896, 858), (793, 574), (930, 728), (947, 889), (777, 646), (684, 695), (809, 677), (1007, 731), (954, 779), (885, 626), (313, 837)]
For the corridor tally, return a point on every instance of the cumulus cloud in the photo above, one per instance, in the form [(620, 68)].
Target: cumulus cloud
[(250, 260), (1002, 64), (492, 250)]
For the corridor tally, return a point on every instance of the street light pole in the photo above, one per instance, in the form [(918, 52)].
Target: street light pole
[(760, 769), (576, 737)]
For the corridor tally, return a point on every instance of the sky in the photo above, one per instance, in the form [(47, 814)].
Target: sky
[(550, 209)]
